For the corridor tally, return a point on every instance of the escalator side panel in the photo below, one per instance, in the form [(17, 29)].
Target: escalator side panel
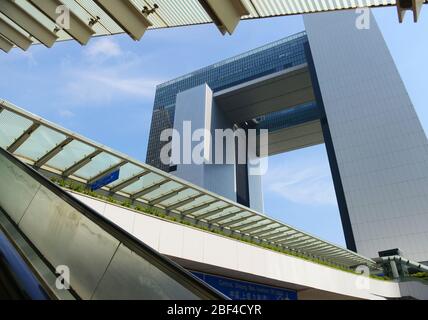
[(104, 261)]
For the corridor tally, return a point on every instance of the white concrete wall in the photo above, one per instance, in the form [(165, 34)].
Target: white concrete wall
[(381, 148), (197, 105), (188, 243)]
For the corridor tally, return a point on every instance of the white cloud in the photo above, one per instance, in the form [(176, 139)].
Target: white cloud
[(103, 48), (302, 183), (66, 113), (99, 81), (99, 89)]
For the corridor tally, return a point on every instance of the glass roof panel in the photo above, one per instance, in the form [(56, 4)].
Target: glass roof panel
[(197, 202), (11, 127), (224, 213), (163, 190), (237, 216), (70, 154), (183, 195), (214, 206), (144, 182), (275, 231), (40, 142), (126, 172), (98, 164), (266, 227), (254, 219)]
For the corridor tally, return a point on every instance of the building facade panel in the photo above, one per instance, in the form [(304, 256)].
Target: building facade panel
[(379, 142)]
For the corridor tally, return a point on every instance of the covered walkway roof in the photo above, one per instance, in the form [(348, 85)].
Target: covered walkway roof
[(46, 146), (24, 22)]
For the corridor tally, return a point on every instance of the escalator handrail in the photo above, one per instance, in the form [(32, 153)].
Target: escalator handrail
[(181, 275)]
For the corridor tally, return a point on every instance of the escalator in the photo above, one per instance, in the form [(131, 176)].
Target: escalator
[(54, 247)]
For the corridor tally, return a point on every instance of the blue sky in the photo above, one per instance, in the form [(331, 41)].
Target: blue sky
[(105, 91)]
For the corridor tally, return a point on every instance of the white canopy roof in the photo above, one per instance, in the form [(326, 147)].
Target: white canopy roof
[(23, 22)]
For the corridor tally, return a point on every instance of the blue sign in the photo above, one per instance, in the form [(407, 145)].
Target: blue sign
[(103, 181), (243, 290)]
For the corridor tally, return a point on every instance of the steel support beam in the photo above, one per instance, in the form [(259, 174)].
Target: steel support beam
[(200, 207), (128, 182), (107, 172), (295, 241), (5, 44), (226, 14), (222, 218), (279, 233), (52, 153), (248, 224), (409, 5), (184, 202), (298, 244), (257, 228), (267, 231), (295, 235), (78, 29), (231, 223), (212, 213), (127, 16), (316, 245), (166, 196), (14, 36), (18, 15), (81, 163), (22, 138), (147, 190)]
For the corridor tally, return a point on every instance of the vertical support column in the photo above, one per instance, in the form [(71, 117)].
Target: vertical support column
[(380, 147), (334, 168), (195, 107)]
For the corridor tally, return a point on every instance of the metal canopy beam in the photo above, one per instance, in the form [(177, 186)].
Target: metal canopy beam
[(27, 22), (128, 182), (147, 190), (127, 16), (327, 250), (227, 216), (5, 44), (409, 5), (81, 163), (200, 207), (166, 196), (22, 138), (231, 223), (52, 153), (184, 202), (79, 30), (212, 213), (107, 171), (267, 231), (250, 231), (295, 235), (315, 245), (298, 240), (226, 14), (14, 36), (298, 244), (277, 235), (243, 226)]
